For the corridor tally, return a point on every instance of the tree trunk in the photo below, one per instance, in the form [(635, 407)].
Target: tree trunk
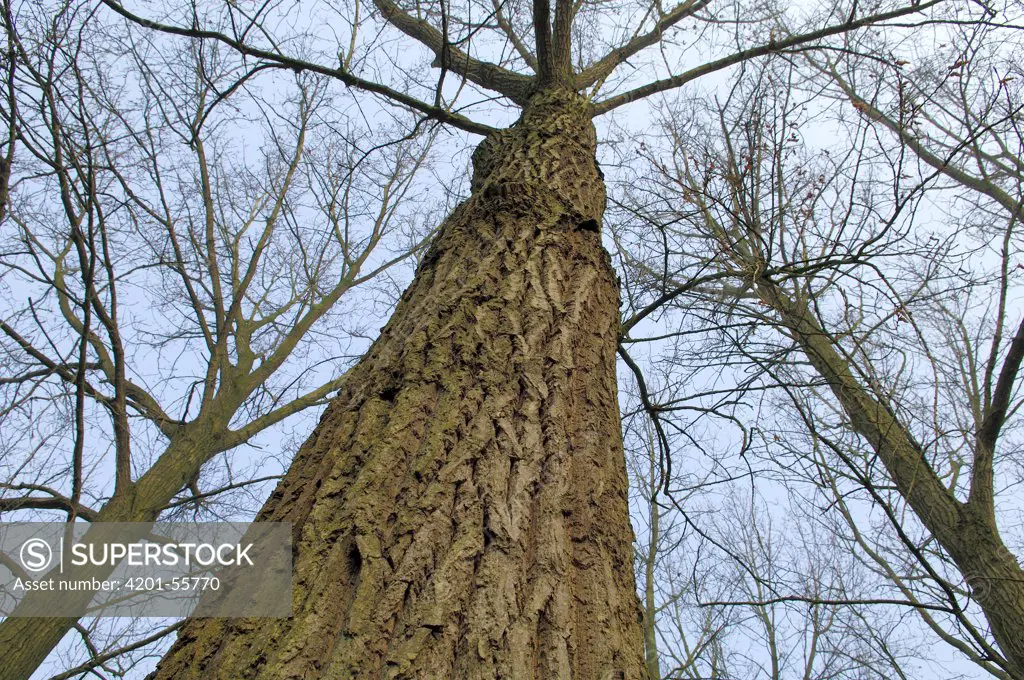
[(967, 531), (995, 577), (460, 510)]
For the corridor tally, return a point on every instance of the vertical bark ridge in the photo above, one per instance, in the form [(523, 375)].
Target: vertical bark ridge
[(461, 508)]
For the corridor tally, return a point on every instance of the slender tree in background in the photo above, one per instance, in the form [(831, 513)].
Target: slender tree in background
[(890, 343)]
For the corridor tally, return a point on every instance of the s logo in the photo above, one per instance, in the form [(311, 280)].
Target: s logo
[(35, 554)]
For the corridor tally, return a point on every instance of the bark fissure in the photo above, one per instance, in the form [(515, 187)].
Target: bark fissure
[(461, 509)]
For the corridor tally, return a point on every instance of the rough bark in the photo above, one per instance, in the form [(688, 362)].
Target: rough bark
[(460, 510)]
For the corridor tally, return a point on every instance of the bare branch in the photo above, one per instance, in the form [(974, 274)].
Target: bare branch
[(772, 47), (340, 73), (604, 66), (513, 85)]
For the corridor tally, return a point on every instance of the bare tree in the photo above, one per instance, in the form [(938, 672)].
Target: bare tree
[(173, 291), (856, 295), (460, 511)]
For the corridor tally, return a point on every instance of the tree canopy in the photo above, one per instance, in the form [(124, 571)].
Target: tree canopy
[(209, 208)]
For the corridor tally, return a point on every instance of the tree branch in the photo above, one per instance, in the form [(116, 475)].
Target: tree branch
[(513, 37), (542, 37), (772, 47), (827, 603), (941, 164), (898, 451), (561, 46), (53, 501), (603, 67), (340, 73), (988, 433), (515, 86), (100, 659)]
